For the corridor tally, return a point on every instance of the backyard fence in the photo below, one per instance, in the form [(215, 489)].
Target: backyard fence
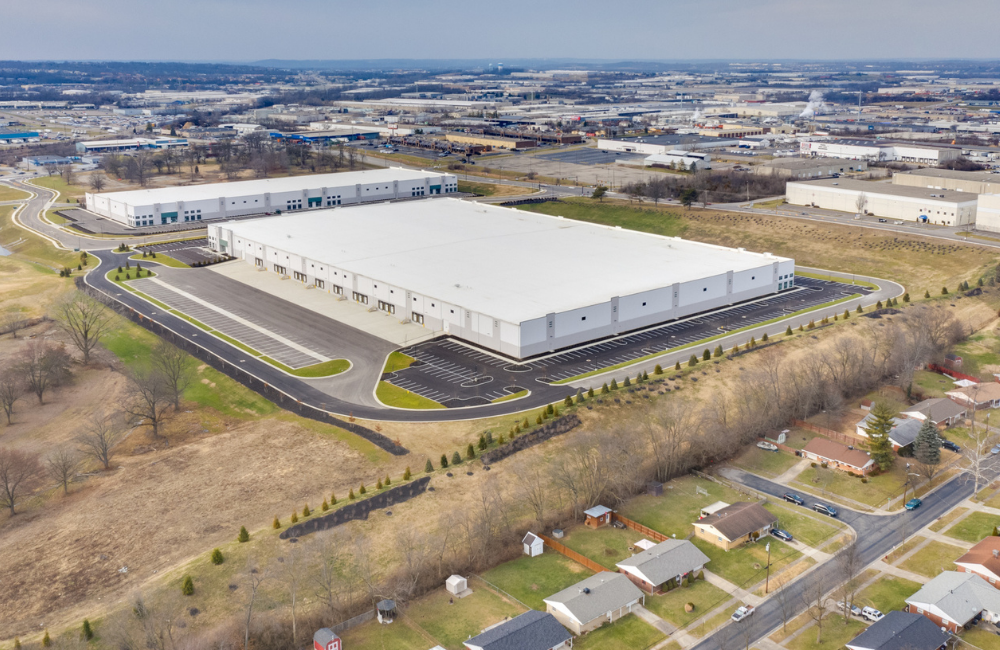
[(742, 489), (344, 626), (498, 591), (573, 555), (823, 431), (639, 528), (243, 377), (933, 367)]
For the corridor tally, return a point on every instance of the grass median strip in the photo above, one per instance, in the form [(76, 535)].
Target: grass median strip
[(397, 361), (506, 398), (391, 395), (160, 258), (323, 369)]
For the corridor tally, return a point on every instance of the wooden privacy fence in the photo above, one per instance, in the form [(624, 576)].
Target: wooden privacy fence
[(639, 528), (573, 555), (829, 433), (933, 367)]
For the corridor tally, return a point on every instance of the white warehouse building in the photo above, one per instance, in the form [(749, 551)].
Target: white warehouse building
[(874, 151), (988, 212), (516, 282), (163, 205), (898, 202)]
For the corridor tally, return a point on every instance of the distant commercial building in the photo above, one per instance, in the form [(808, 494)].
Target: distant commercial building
[(731, 131), (988, 212), (661, 144), (490, 141), (950, 179), (164, 205), (14, 137), (806, 168), (130, 144), (679, 159), (897, 202), (875, 151), (501, 278), (345, 135)]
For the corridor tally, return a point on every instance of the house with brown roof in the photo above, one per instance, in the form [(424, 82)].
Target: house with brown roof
[(983, 559), (839, 456), (734, 525), (979, 396)]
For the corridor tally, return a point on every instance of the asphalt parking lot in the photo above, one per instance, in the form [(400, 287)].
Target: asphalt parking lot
[(593, 157), (89, 222), (189, 252), (457, 374)]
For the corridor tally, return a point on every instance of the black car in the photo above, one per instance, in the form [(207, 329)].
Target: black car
[(825, 509), (950, 446), (794, 498)]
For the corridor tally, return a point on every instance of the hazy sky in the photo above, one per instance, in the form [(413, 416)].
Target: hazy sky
[(248, 30)]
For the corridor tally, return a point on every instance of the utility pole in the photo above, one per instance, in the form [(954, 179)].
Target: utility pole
[(767, 580)]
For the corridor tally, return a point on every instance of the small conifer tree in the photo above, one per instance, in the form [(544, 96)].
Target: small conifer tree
[(295, 517), (217, 557), (87, 633), (944, 291), (378, 484), (718, 351), (46, 640), (590, 392), (187, 588), (428, 466), (538, 420), (387, 482), (117, 279), (764, 338), (627, 382), (788, 330), (614, 384), (456, 459), (878, 305), (753, 342), (407, 475), (811, 325), (644, 375), (801, 328), (482, 440), (501, 440), (657, 370), (693, 361), (244, 536), (579, 396), (556, 414), (470, 452), (333, 499), (927, 294), (568, 401), (736, 349), (362, 490), (277, 523), (350, 495), (324, 506), (847, 314), (549, 410), (860, 309), (444, 461), (17, 643), (525, 425), (706, 355), (677, 366), (306, 511)]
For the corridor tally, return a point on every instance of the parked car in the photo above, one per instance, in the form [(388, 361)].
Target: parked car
[(791, 497), (744, 611), (950, 446), (855, 610), (913, 504), (883, 221), (871, 614), (783, 535), (767, 446), (898, 223), (824, 509)]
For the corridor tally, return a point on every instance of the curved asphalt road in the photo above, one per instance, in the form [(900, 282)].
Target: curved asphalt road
[(877, 535)]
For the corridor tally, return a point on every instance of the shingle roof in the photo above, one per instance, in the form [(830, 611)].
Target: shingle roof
[(532, 630), (666, 560), (984, 392), (608, 591), (901, 631), (961, 596), (739, 519), (324, 635), (982, 554), (838, 452), (937, 409), (530, 539), (905, 432)]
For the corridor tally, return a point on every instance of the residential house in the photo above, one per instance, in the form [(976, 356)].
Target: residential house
[(903, 431), (901, 631), (983, 559), (954, 600), (837, 455), (597, 516), (978, 396), (532, 630), (735, 525), (939, 410), (602, 598), (668, 561), (533, 545)]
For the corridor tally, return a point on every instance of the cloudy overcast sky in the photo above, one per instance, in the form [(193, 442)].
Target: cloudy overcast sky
[(249, 30)]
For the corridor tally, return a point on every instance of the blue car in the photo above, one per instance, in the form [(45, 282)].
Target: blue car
[(913, 504), (794, 498), (783, 535), (824, 509)]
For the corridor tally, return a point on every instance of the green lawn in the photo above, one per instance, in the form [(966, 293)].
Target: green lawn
[(629, 633), (905, 548), (705, 626), (887, 594), (401, 398), (979, 353), (943, 522), (769, 464), (397, 361), (518, 395), (375, 636), (324, 369), (8, 193), (932, 384), (605, 545), (974, 528), (56, 218), (530, 579), (798, 438), (981, 639), (483, 189), (646, 220), (66, 192), (451, 624), (160, 258), (678, 508), (740, 566), (933, 559), (33, 248), (804, 526), (835, 635), (670, 606), (874, 493)]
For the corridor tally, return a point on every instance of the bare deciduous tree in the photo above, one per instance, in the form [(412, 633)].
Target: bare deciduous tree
[(100, 436), (253, 577), (98, 181), (86, 321), (292, 572), (783, 595), (817, 603), (147, 396), (11, 320), (61, 466), (42, 365), (850, 564), (11, 389), (172, 365), (19, 474), (327, 572), (861, 202), (533, 488)]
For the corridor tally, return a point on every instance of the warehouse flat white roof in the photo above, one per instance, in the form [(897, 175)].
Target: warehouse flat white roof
[(260, 186), (902, 191), (506, 263)]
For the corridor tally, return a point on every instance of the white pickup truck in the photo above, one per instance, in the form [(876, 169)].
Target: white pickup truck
[(745, 611)]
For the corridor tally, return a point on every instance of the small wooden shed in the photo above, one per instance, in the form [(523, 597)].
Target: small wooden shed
[(597, 516)]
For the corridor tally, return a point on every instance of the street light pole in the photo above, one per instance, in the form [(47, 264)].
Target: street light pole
[(767, 580)]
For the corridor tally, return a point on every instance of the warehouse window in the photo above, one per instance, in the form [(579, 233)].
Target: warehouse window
[(583, 318), (705, 289), (643, 304)]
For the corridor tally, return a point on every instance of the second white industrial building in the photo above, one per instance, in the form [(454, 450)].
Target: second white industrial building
[(516, 282), (898, 202), (163, 205)]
